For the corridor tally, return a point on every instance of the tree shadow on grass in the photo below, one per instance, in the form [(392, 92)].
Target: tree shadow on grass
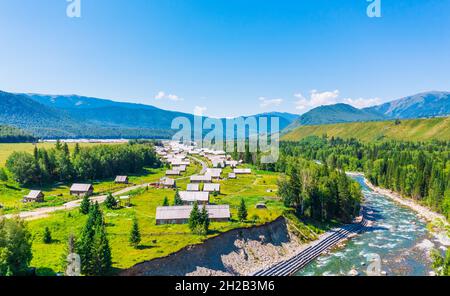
[(45, 271), (144, 247)]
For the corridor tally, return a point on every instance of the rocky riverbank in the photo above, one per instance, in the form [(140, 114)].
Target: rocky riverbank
[(236, 252), (439, 222)]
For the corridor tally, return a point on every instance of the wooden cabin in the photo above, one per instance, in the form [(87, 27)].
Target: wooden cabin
[(34, 196), (211, 187), (81, 190), (121, 180), (180, 214)]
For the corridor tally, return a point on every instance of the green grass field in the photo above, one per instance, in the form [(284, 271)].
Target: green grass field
[(407, 130), (160, 240), (157, 241)]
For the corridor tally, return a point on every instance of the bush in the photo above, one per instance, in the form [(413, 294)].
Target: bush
[(110, 201), (47, 237)]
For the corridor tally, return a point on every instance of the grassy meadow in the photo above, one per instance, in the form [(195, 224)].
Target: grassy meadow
[(407, 130), (157, 241)]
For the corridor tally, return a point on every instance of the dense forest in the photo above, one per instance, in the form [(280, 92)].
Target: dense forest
[(420, 170), (9, 134), (314, 191), (84, 163)]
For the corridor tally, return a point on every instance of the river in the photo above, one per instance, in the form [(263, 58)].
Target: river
[(398, 241)]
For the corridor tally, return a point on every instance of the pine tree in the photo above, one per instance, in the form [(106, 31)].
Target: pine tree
[(101, 252), (242, 211), (177, 199), (47, 237), (194, 218), (3, 175), (76, 150), (85, 205), (93, 245), (135, 234), (165, 202), (58, 145), (110, 201), (204, 220)]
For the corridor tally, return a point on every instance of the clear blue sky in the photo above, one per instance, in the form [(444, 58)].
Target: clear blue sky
[(231, 57)]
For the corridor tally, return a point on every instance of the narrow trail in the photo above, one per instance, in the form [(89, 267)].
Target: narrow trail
[(45, 211)]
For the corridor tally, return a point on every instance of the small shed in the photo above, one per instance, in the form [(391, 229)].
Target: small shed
[(242, 171), (167, 183), (212, 187), (193, 187), (231, 163), (173, 173), (81, 189), (121, 180), (181, 168), (214, 173), (34, 196), (231, 176), (125, 201)]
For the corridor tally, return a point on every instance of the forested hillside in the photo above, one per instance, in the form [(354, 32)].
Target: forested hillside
[(408, 130), (417, 170), (10, 134)]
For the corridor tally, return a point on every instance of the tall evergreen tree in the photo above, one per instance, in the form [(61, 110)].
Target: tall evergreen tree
[(110, 201), (194, 218), (85, 205), (177, 199), (135, 234), (47, 236), (242, 211)]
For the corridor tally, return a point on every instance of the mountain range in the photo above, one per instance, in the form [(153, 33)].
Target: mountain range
[(73, 116)]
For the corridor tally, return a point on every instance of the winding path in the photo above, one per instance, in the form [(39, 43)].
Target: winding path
[(45, 211)]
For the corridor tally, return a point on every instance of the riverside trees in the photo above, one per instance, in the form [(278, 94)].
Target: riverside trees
[(420, 170), (318, 193)]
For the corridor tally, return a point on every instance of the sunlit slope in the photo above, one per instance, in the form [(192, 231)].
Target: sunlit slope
[(412, 130)]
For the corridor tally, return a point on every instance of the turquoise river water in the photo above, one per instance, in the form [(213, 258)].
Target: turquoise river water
[(398, 242)]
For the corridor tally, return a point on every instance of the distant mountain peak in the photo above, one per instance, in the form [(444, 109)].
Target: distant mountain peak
[(424, 104)]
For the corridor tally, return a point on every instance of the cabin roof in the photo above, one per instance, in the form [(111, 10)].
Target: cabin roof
[(81, 187), (193, 187), (168, 181), (242, 171), (121, 178), (210, 187), (194, 196), (201, 178), (33, 194), (183, 212)]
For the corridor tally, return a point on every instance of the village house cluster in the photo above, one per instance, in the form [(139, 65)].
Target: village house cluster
[(201, 186)]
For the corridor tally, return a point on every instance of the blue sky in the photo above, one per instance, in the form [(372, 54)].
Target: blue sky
[(226, 57)]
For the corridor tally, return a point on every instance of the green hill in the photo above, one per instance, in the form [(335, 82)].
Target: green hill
[(338, 113), (408, 130)]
